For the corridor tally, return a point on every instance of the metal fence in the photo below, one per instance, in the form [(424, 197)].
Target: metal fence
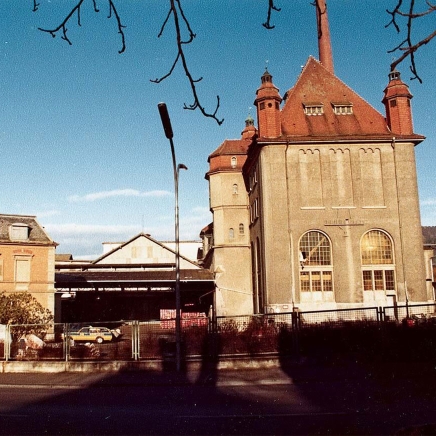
[(280, 333)]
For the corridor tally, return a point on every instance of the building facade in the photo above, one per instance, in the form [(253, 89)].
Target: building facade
[(27, 259), (331, 187), (227, 241), (133, 280)]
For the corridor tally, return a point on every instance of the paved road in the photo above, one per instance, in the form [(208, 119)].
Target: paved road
[(296, 400)]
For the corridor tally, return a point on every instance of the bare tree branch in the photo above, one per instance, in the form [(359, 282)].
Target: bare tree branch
[(176, 11), (271, 7), (62, 27), (407, 47)]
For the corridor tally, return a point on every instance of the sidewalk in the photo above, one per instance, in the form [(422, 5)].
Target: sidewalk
[(234, 372), (240, 373)]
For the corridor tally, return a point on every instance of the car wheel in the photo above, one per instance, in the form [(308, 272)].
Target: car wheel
[(99, 340)]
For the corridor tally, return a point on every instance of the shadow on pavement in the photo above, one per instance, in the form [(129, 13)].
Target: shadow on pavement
[(297, 396)]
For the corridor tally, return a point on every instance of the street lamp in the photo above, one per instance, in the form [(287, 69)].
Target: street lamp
[(166, 122)]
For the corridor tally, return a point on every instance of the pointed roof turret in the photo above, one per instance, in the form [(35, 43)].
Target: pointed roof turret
[(397, 103), (250, 130), (268, 102)]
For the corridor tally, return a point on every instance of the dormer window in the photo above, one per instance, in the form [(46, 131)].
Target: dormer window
[(19, 232), (343, 108), (313, 108)]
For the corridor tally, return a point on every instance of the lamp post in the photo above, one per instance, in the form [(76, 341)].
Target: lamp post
[(166, 122)]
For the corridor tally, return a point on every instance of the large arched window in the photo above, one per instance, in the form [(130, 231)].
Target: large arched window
[(316, 269), (377, 256)]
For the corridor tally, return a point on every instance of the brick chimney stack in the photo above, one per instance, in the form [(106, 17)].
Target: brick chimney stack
[(324, 43)]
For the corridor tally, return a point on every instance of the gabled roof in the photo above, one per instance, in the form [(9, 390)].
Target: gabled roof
[(317, 86), (111, 253), (36, 233)]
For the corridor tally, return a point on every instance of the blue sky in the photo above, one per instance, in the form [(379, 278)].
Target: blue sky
[(82, 143)]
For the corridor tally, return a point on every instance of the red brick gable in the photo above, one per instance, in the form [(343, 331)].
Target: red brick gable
[(316, 86)]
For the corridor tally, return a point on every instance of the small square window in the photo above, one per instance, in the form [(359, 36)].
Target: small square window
[(313, 108), (345, 108)]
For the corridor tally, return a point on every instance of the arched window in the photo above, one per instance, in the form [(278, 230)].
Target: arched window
[(316, 269), (233, 161), (231, 233), (235, 188), (377, 258), (241, 229)]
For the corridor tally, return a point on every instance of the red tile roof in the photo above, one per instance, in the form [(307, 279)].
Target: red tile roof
[(316, 85)]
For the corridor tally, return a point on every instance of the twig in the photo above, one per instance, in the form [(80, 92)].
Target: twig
[(407, 47), (62, 27), (271, 7), (176, 11)]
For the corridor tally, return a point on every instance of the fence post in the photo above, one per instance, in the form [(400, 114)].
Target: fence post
[(8, 342), (381, 314), (66, 344), (213, 338), (135, 340), (295, 333)]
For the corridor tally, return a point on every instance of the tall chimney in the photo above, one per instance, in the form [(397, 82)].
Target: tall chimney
[(324, 43)]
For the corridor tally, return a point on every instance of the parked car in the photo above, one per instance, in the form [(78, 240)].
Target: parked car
[(92, 334)]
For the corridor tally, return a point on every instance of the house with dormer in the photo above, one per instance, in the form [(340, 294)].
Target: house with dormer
[(327, 198), (27, 259)]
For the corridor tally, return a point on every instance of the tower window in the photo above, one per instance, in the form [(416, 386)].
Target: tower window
[(234, 161), (393, 103), (235, 188), (262, 106), (313, 108), (241, 229)]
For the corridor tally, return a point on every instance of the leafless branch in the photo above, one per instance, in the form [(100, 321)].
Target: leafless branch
[(177, 13), (407, 47), (271, 7), (62, 27)]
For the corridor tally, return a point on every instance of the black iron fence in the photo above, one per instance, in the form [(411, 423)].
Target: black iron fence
[(293, 333)]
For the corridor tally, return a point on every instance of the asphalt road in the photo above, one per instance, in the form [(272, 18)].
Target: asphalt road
[(302, 401)]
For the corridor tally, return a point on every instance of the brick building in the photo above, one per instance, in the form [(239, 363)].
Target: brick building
[(330, 211)]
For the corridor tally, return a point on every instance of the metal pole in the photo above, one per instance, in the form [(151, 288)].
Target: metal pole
[(166, 122)]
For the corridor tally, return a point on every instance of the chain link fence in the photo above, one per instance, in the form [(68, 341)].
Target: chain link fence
[(289, 334)]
